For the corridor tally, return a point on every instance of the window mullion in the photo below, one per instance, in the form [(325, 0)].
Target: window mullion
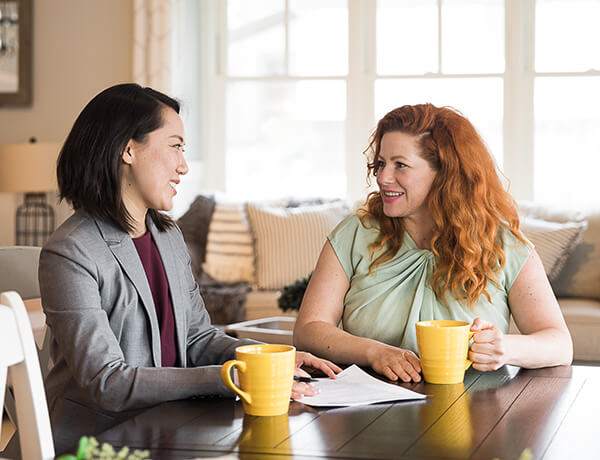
[(440, 41), (286, 54), (360, 92), (215, 159), (518, 97)]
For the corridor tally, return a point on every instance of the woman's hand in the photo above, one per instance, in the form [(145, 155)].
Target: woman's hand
[(488, 350), (306, 359), (395, 363), (300, 389)]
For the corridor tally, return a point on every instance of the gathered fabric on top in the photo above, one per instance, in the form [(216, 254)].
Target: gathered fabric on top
[(386, 304)]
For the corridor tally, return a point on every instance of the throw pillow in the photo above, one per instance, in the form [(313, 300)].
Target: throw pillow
[(194, 227), (229, 248), (580, 276), (288, 241), (553, 241)]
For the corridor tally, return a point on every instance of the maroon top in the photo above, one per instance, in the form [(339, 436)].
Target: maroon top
[(155, 272)]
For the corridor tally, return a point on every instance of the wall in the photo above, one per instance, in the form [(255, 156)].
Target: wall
[(79, 48)]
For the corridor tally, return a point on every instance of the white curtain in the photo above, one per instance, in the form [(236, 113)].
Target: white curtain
[(174, 50), (153, 43)]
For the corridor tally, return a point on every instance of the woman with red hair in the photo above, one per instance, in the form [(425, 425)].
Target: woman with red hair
[(439, 240)]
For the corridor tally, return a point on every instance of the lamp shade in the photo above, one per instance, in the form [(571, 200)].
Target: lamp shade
[(26, 168)]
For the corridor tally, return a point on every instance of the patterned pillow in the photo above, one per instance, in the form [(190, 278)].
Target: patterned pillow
[(288, 241), (553, 241), (229, 247)]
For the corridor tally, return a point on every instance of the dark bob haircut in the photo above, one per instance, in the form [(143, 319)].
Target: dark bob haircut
[(89, 164)]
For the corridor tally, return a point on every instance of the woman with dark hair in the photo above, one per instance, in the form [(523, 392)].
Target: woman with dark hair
[(440, 239), (129, 328)]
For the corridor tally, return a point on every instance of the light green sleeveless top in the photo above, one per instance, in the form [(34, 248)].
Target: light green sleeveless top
[(386, 304)]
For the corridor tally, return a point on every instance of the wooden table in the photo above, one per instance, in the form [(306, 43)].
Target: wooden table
[(553, 411)]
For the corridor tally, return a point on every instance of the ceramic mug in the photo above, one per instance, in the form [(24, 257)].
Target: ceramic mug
[(443, 350), (266, 375)]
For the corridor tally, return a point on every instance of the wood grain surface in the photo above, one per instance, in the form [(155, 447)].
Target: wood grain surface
[(551, 411)]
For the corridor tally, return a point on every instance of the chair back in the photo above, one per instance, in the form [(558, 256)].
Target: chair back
[(19, 272), (19, 363), (19, 265)]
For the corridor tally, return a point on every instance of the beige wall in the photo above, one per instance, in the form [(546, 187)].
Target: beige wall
[(79, 48)]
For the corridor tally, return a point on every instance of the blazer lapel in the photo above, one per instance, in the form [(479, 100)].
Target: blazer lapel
[(177, 291), (123, 249)]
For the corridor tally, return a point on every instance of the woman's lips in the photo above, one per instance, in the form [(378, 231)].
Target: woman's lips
[(390, 196)]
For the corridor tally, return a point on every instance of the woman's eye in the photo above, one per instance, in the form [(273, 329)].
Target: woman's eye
[(380, 164), (400, 165), (179, 147)]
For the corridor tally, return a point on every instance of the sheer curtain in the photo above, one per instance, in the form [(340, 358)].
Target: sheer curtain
[(153, 43), (168, 55)]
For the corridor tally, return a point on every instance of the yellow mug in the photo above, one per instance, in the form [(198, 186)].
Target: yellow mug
[(443, 350), (266, 374)]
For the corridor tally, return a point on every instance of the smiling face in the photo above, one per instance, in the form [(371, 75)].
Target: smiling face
[(403, 176), (152, 168)]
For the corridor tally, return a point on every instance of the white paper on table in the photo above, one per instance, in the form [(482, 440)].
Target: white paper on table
[(354, 387)]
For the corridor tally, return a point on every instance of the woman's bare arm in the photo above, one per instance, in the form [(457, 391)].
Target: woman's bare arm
[(321, 311), (544, 340)]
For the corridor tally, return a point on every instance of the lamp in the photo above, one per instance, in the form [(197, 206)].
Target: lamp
[(31, 169)]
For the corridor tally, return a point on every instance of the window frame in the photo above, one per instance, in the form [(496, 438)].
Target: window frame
[(518, 80)]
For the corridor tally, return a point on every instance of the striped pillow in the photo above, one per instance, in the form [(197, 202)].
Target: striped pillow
[(288, 241), (553, 241), (229, 248)]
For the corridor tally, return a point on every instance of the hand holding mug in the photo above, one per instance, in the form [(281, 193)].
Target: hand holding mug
[(443, 349), (488, 351)]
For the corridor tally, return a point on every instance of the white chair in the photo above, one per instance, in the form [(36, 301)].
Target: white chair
[(19, 268), (19, 362)]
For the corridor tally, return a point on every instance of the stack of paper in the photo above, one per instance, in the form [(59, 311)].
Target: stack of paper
[(354, 387)]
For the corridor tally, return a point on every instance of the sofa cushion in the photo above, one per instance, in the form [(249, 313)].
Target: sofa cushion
[(553, 241), (580, 276), (288, 241), (583, 320), (229, 248)]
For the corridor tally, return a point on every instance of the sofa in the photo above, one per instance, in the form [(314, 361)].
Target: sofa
[(576, 277), (243, 254)]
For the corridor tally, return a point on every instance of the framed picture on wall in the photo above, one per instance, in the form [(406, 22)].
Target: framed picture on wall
[(15, 52)]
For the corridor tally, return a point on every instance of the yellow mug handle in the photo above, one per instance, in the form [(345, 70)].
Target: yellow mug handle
[(469, 362), (226, 377)]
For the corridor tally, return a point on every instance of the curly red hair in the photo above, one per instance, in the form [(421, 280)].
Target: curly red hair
[(467, 201)]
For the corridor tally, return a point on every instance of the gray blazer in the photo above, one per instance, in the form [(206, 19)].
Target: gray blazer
[(105, 336)]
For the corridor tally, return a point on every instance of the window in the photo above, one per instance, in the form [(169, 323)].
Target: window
[(298, 86), (447, 52), (567, 101), (285, 93)]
